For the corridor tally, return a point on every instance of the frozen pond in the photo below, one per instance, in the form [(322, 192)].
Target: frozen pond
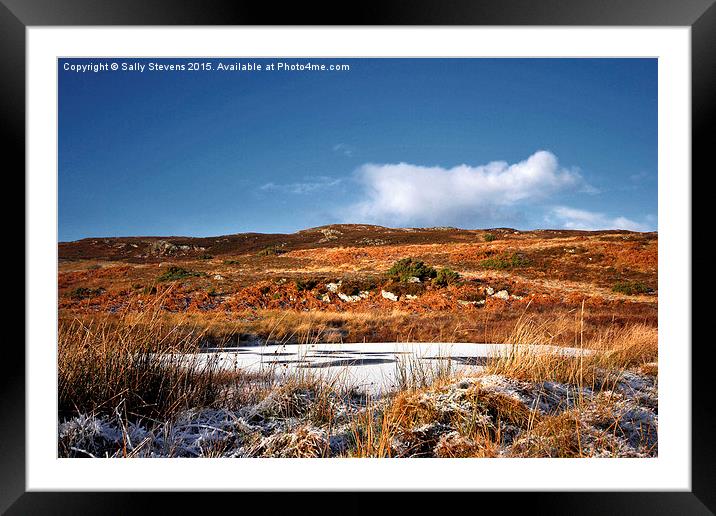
[(375, 367)]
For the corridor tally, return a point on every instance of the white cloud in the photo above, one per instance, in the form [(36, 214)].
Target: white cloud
[(299, 188), (572, 218), (344, 148), (405, 194)]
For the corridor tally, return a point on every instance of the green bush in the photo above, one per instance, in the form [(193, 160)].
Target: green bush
[(408, 268), (206, 256), (174, 273), (446, 277), (505, 262), (85, 293), (231, 262), (489, 237), (631, 288), (272, 251)]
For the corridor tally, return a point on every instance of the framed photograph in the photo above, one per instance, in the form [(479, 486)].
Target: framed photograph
[(432, 250)]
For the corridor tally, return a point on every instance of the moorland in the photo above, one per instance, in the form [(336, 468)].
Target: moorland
[(124, 301)]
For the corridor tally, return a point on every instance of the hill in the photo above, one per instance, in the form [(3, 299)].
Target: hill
[(157, 248), (359, 282)]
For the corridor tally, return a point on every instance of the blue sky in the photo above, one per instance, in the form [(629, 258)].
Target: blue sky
[(473, 143)]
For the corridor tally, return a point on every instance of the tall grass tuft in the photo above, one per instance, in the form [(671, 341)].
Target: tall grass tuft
[(613, 350), (131, 364)]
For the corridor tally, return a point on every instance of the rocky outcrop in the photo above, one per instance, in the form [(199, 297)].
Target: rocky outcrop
[(166, 248), (349, 299), (329, 235)]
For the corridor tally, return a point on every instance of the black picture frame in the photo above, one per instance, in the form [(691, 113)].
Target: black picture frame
[(17, 15)]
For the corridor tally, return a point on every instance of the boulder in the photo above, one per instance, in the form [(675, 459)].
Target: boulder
[(349, 299), (388, 295), (502, 294)]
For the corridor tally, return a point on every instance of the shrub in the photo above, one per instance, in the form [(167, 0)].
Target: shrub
[(446, 277), (408, 268), (631, 288), (402, 288), (354, 286), (306, 284), (231, 262), (489, 237), (273, 250), (505, 262), (206, 256), (472, 295), (174, 273), (85, 293), (108, 365)]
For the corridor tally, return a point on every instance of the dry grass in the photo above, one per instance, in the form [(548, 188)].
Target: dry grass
[(410, 424), (372, 432), (615, 350), (547, 324), (425, 421), (304, 442), (121, 366), (124, 365), (553, 436), (415, 373)]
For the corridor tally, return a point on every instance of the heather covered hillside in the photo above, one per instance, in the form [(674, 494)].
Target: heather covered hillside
[(361, 283)]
